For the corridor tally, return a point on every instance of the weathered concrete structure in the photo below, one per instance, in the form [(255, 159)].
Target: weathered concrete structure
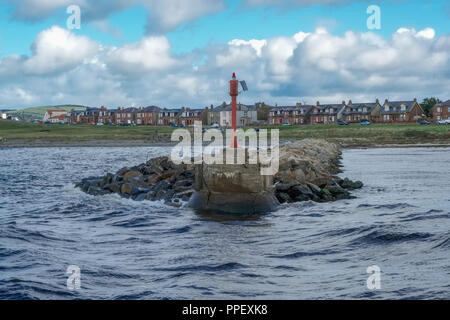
[(233, 188)]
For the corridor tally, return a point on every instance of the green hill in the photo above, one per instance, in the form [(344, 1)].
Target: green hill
[(29, 114)]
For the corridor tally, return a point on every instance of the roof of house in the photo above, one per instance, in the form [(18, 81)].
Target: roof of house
[(170, 110), (60, 117), (322, 107), (197, 111), (396, 106), (445, 103), (244, 107), (125, 110), (355, 107), (305, 107), (56, 111), (219, 108), (152, 109)]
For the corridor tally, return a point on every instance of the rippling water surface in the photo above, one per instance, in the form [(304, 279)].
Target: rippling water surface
[(400, 221)]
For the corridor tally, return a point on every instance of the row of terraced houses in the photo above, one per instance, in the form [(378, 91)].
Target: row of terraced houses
[(260, 113), (389, 112)]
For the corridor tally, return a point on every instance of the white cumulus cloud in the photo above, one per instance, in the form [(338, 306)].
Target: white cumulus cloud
[(66, 68), (57, 49)]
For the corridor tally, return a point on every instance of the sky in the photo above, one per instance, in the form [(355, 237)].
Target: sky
[(175, 53)]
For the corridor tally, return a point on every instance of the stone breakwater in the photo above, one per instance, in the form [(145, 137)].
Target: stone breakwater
[(308, 171)]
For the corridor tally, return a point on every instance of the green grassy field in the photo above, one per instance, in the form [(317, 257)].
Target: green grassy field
[(29, 132), (353, 135), (356, 135)]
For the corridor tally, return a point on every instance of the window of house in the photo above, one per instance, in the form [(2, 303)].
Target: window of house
[(129, 115), (386, 117), (402, 116), (438, 109), (438, 118), (448, 110)]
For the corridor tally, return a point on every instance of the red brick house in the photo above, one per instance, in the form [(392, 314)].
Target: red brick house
[(105, 116), (441, 111), (355, 112), (167, 117), (125, 115), (293, 115), (90, 115), (147, 116), (189, 116), (327, 113), (400, 112)]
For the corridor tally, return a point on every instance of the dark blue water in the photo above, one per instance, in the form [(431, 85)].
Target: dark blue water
[(400, 222)]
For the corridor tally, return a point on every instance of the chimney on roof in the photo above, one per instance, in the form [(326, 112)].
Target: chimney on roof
[(102, 108), (415, 99), (318, 103), (298, 104), (377, 101), (119, 108), (343, 102), (386, 101), (350, 102)]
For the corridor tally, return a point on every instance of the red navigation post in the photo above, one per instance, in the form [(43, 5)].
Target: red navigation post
[(234, 91)]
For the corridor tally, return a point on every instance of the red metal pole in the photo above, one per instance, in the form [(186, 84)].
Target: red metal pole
[(234, 91)]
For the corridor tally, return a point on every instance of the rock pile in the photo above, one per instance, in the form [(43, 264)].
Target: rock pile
[(157, 179), (308, 170)]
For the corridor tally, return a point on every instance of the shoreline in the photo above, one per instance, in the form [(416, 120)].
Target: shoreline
[(143, 143), (84, 144)]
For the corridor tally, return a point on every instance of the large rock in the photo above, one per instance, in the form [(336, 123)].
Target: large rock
[(131, 174), (126, 188)]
